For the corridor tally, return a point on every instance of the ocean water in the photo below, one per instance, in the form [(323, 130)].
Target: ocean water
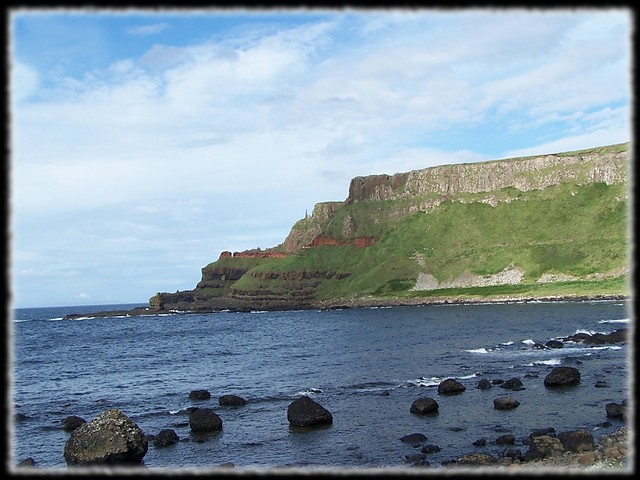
[(366, 366)]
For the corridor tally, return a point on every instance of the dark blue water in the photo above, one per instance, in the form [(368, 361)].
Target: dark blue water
[(345, 360)]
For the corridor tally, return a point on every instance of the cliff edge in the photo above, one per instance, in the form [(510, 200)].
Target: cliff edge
[(543, 226)]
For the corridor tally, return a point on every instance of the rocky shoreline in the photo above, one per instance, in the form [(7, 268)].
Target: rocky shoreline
[(112, 439), (336, 304)]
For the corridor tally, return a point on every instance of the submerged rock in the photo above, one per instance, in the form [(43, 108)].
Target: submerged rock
[(231, 401), (414, 438), (165, 438), (505, 403), (72, 422), (199, 395)]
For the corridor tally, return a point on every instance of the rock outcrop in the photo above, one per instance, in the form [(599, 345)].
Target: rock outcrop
[(111, 438), (491, 176)]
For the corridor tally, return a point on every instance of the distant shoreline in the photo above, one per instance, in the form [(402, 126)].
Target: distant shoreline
[(339, 304)]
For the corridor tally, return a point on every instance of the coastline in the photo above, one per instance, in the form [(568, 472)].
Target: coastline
[(337, 304)]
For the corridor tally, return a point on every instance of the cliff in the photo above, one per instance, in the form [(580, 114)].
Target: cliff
[(541, 225)]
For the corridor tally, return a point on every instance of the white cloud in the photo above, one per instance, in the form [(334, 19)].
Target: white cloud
[(24, 81), (150, 29)]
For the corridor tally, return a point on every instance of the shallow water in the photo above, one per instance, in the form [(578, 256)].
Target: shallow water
[(346, 360)]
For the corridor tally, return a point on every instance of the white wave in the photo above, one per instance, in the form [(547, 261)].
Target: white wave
[(550, 361), (477, 350), (309, 391), (466, 377), (606, 347), (588, 332), (528, 342), (425, 382), (506, 344), (621, 320)]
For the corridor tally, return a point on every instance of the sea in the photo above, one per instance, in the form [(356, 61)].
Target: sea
[(365, 365)]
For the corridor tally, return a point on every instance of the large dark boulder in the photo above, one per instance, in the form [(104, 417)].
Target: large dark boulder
[(450, 386), (424, 406), (111, 438), (231, 401), (203, 420), (554, 344), (415, 439), (577, 441), (72, 422), (305, 412), (505, 403), (562, 376)]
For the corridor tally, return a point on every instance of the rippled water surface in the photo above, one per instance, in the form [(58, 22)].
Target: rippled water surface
[(366, 366)]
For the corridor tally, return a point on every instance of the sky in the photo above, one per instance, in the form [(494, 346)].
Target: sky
[(143, 143)]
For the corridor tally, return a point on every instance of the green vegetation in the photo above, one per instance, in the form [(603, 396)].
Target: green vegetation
[(574, 231)]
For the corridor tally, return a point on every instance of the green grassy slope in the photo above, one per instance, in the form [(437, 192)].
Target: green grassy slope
[(566, 229)]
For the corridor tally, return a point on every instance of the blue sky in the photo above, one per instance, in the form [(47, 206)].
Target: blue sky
[(145, 142)]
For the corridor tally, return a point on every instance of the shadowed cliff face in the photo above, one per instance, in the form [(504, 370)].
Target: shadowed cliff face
[(292, 274)]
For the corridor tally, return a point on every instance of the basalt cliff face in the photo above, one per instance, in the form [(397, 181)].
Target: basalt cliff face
[(550, 219)]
